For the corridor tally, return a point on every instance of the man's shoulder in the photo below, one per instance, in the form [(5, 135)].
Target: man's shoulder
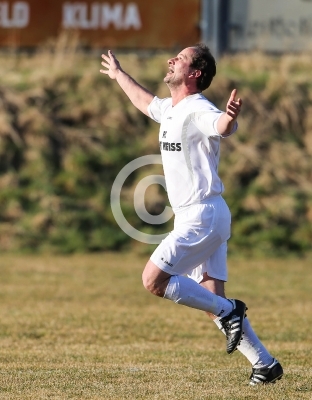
[(206, 102), (162, 103), (163, 100), (158, 107), (199, 103)]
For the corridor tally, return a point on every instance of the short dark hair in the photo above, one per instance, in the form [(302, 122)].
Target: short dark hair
[(204, 61)]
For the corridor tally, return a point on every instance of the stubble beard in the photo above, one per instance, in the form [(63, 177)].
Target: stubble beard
[(172, 83)]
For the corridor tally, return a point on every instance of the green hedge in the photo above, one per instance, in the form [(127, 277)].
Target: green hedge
[(66, 131)]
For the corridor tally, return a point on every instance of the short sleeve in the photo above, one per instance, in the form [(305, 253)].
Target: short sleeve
[(234, 129), (156, 108), (207, 122)]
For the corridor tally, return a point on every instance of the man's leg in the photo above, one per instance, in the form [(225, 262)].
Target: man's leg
[(183, 291), (186, 291), (250, 345)]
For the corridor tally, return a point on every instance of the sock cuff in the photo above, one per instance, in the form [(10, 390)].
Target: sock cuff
[(172, 289), (217, 322)]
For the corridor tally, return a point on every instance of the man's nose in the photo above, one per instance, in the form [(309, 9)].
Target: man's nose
[(171, 61)]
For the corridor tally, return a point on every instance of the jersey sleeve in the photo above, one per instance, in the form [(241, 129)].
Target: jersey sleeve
[(156, 108), (207, 121)]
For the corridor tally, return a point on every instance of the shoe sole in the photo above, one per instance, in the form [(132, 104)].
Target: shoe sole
[(278, 378)]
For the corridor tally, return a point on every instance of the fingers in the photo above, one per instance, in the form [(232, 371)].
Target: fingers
[(106, 65), (109, 55), (233, 105), (105, 57), (107, 60), (233, 95), (232, 114), (110, 64)]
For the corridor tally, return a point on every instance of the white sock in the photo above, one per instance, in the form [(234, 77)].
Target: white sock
[(251, 346), (186, 291)]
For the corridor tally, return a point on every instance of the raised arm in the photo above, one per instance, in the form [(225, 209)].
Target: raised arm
[(227, 120), (139, 96)]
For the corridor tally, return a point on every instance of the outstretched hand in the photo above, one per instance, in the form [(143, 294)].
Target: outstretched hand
[(233, 106), (111, 63)]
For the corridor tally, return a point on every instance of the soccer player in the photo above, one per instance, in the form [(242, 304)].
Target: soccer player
[(189, 266)]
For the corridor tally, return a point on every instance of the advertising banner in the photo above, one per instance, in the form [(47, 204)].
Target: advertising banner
[(117, 24), (271, 25)]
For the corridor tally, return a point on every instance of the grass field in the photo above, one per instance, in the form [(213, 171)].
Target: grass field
[(83, 327)]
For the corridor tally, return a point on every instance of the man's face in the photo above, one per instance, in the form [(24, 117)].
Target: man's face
[(179, 68)]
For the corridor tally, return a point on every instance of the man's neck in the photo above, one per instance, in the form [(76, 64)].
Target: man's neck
[(178, 94)]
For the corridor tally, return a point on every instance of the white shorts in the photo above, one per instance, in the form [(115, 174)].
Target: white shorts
[(198, 242)]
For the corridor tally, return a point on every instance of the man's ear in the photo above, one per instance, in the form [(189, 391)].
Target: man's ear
[(196, 73)]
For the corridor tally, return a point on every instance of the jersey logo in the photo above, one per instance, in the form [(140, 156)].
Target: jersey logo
[(166, 262), (164, 134), (167, 146)]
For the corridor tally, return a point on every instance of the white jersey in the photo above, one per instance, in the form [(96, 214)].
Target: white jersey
[(190, 148)]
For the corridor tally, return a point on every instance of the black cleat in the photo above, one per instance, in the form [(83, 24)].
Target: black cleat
[(270, 374), (233, 325)]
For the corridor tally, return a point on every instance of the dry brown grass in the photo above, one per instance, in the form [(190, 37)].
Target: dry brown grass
[(82, 327)]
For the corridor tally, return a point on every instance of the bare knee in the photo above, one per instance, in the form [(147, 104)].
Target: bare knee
[(152, 285), (147, 282), (155, 280)]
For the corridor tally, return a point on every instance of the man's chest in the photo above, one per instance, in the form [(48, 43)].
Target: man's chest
[(170, 133)]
